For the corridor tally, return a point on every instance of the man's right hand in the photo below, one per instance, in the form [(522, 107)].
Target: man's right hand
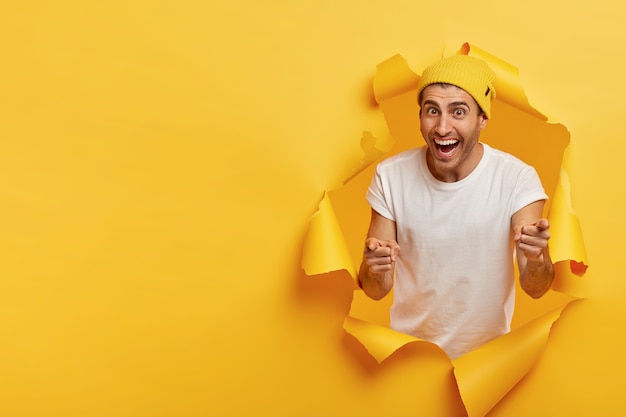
[(380, 255)]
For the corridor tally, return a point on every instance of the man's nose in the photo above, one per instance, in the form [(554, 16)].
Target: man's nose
[(443, 125)]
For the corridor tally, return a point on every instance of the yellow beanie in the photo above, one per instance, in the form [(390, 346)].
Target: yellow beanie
[(471, 74)]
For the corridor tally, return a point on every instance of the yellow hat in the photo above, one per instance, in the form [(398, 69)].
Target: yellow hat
[(471, 74)]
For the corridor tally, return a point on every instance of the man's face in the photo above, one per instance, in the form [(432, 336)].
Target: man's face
[(451, 122)]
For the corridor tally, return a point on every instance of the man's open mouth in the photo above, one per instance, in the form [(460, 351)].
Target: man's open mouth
[(446, 146)]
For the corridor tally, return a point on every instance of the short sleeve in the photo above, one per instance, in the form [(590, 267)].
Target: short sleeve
[(377, 195), (528, 189)]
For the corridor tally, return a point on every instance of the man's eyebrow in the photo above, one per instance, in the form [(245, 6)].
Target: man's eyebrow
[(451, 105), (459, 103), (431, 102)]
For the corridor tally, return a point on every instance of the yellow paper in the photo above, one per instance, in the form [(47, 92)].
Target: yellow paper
[(380, 341), (487, 374), (565, 242), (325, 249), (159, 163)]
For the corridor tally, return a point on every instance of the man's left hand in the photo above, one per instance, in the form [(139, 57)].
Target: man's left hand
[(532, 238)]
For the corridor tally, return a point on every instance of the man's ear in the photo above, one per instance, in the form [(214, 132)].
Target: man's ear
[(483, 120)]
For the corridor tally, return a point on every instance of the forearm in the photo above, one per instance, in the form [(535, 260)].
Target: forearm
[(537, 274), (375, 285)]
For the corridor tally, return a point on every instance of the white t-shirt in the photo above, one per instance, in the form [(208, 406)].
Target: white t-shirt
[(454, 279)]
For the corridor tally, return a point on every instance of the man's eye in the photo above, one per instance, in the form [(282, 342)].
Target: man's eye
[(459, 112), (432, 110)]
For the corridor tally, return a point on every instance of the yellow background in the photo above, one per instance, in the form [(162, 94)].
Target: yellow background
[(159, 162)]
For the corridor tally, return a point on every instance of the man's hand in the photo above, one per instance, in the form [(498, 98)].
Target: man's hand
[(376, 272), (532, 238), (380, 255)]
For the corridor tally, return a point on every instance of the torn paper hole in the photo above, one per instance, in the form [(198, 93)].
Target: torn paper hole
[(337, 231)]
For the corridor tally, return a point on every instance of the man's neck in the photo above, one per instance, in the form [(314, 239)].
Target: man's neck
[(464, 168)]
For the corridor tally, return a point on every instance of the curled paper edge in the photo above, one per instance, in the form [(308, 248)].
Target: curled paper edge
[(393, 77), (566, 243), (325, 249), (381, 342), (486, 375)]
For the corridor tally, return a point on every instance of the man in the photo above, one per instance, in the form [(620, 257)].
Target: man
[(447, 216)]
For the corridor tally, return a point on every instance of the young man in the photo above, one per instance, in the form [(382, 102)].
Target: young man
[(447, 216)]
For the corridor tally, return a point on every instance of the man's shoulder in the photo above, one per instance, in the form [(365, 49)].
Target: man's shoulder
[(407, 157), (503, 158)]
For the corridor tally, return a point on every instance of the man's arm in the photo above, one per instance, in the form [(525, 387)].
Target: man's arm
[(379, 257), (531, 234)]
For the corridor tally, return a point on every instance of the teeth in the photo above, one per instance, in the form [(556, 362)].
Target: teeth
[(446, 142)]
